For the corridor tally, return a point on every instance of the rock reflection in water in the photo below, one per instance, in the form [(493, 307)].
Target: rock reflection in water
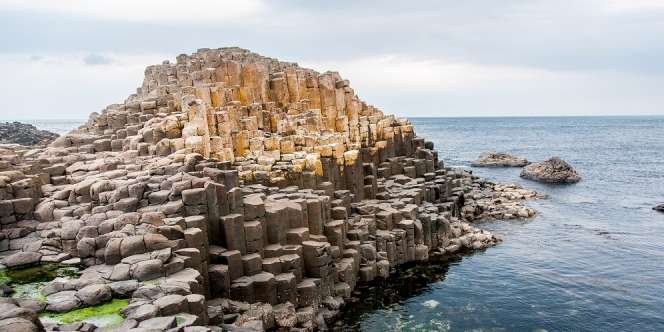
[(387, 295)]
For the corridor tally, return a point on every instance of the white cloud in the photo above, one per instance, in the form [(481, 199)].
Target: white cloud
[(634, 5), (47, 86), (415, 74), (410, 86), (52, 86), (169, 11)]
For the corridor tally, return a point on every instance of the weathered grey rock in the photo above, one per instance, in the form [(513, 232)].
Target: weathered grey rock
[(142, 312), (499, 159), (63, 301), (171, 304), (94, 294), (132, 245), (124, 288), (22, 259), (554, 170), (18, 325), (147, 270), (158, 323)]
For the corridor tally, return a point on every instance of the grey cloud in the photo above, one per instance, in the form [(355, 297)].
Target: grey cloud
[(96, 59), (575, 36), (578, 35)]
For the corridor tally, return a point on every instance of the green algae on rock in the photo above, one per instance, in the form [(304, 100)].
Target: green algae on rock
[(103, 315), (40, 273), (28, 283)]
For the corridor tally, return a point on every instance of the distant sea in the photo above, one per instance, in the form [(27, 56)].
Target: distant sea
[(592, 260)]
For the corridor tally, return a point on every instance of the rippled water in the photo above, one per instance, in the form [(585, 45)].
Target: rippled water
[(592, 260)]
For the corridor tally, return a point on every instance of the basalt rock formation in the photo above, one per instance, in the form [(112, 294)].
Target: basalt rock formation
[(554, 170), (234, 190), (659, 207), (24, 134), (499, 159)]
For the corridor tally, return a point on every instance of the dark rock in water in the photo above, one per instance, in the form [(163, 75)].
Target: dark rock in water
[(659, 207), (499, 159), (5, 290), (554, 170), (24, 134)]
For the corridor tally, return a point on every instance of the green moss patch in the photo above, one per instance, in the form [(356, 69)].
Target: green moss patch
[(28, 283), (103, 315), (41, 273)]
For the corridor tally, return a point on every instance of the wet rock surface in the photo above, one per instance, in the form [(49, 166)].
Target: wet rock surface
[(24, 134), (554, 170), (499, 159), (233, 190)]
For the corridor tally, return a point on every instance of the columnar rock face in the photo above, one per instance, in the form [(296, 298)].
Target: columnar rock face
[(236, 189)]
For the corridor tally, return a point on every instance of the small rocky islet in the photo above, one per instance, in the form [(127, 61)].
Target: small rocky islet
[(553, 170), (499, 159), (230, 191), (659, 207), (24, 134)]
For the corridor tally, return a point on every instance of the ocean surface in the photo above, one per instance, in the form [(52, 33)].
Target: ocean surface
[(592, 259)]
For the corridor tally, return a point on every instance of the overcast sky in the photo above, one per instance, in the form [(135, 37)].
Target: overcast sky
[(67, 58)]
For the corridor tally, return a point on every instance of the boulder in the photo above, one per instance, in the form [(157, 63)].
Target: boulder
[(499, 159), (63, 301), (18, 325), (147, 270), (554, 170), (94, 294), (171, 304), (22, 259)]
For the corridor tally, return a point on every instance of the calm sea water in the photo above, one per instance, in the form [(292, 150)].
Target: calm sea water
[(592, 260)]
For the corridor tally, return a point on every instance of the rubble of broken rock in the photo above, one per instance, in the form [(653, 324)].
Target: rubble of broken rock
[(231, 191)]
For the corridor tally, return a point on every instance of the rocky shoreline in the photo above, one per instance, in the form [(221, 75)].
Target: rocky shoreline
[(232, 190), (24, 134)]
